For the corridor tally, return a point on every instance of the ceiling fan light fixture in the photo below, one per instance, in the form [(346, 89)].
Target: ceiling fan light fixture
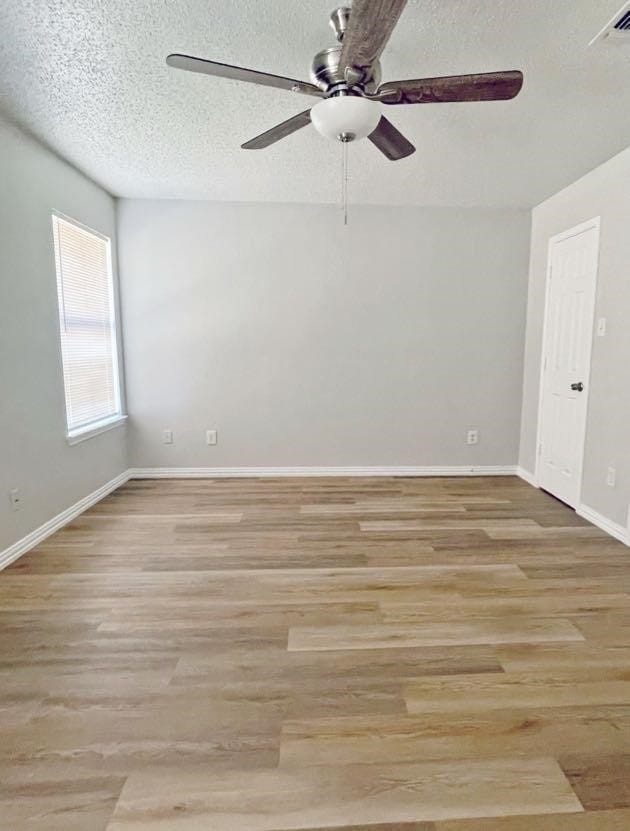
[(348, 79), (345, 116)]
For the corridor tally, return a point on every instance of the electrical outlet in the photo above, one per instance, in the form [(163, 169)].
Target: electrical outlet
[(167, 436), (211, 436), (472, 437), (611, 477), (15, 497)]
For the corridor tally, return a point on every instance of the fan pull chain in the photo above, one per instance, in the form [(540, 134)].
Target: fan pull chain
[(344, 179)]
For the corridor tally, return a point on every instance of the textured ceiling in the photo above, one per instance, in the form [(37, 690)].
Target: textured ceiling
[(88, 78)]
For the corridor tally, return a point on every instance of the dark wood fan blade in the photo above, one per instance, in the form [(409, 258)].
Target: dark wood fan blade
[(278, 132), (240, 73), (370, 26), (490, 86), (391, 141)]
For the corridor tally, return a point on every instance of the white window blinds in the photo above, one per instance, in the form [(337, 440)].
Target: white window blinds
[(87, 324)]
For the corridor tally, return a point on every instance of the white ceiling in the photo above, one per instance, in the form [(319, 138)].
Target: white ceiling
[(88, 77)]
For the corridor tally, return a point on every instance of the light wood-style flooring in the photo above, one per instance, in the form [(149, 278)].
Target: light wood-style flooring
[(280, 654)]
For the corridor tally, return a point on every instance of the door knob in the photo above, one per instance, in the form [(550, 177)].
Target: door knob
[(577, 387)]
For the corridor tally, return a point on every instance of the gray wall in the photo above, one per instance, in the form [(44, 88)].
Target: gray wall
[(34, 455), (307, 343), (604, 192)]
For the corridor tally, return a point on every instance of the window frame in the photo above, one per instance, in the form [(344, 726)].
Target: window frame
[(81, 432)]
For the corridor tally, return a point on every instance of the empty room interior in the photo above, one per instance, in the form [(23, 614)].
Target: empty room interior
[(314, 415)]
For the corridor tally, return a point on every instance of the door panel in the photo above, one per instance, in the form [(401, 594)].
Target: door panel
[(566, 361)]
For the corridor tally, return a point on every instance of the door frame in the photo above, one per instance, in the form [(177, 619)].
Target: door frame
[(591, 224)]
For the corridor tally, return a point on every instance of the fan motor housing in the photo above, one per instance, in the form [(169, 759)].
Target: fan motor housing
[(325, 73)]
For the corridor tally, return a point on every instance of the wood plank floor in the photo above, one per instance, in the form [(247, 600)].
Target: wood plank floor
[(280, 654)]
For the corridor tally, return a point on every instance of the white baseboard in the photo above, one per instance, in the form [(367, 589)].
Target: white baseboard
[(614, 529), (224, 472), (617, 531), (35, 537), (527, 476)]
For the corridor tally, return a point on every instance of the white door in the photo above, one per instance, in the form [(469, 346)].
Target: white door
[(572, 278)]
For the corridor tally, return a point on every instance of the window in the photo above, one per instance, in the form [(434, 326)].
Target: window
[(87, 324)]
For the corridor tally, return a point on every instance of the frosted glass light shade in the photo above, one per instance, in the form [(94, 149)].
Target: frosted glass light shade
[(348, 114)]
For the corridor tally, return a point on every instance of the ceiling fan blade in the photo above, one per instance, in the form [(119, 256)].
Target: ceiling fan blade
[(278, 132), (489, 86), (370, 26), (240, 73), (391, 141)]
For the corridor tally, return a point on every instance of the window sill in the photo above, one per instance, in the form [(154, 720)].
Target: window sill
[(95, 429)]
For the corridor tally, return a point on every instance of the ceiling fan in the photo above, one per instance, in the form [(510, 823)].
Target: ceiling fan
[(348, 79)]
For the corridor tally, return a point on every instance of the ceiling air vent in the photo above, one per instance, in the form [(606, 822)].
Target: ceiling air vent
[(623, 23), (616, 30)]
